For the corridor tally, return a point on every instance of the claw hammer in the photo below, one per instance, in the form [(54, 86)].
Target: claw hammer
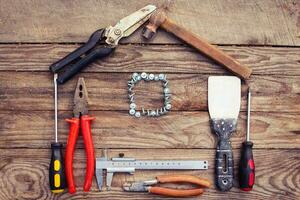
[(160, 19)]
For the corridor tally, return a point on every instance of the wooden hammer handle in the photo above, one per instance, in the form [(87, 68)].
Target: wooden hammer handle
[(209, 50)]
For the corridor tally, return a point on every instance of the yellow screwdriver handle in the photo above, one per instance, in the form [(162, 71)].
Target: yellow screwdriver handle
[(57, 177)]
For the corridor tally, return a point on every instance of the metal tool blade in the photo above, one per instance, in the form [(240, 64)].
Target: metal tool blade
[(80, 99), (120, 166), (224, 97), (128, 25)]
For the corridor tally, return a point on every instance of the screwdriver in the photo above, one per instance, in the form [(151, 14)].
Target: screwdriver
[(247, 167), (57, 177)]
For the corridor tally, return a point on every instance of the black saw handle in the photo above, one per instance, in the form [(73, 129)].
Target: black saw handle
[(75, 55), (81, 64), (224, 165)]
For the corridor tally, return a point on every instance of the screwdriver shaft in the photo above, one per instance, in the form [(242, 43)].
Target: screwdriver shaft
[(55, 106), (248, 116)]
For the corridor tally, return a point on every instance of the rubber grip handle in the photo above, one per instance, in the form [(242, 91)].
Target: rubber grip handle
[(82, 63), (247, 167), (183, 179), (73, 135), (75, 55), (89, 148), (224, 165), (174, 192), (57, 178)]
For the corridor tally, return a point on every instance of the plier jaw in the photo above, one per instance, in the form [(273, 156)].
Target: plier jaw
[(80, 107), (150, 186), (142, 186), (111, 35)]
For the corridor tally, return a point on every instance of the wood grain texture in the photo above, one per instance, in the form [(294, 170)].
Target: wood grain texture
[(154, 58), (24, 174), (113, 129), (108, 91), (263, 22)]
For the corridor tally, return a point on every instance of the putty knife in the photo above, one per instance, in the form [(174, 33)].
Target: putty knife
[(224, 99)]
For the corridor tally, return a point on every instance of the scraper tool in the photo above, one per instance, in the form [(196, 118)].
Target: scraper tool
[(224, 99)]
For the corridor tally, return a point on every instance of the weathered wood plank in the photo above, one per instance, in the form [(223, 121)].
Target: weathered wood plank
[(176, 130), (264, 22), (108, 91), (25, 174), (163, 58)]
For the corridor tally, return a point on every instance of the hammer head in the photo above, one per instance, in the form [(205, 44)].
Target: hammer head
[(156, 19)]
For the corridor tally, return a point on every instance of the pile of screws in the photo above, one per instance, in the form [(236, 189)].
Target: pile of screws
[(136, 77)]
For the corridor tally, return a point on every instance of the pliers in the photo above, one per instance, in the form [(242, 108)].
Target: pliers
[(148, 186), (81, 120), (111, 35)]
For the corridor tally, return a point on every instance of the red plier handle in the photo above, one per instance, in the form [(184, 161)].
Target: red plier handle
[(85, 123)]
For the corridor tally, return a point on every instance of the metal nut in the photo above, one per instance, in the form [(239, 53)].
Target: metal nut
[(166, 90), (137, 114), (144, 75), (151, 76), (132, 105), (161, 77), (131, 111), (168, 106)]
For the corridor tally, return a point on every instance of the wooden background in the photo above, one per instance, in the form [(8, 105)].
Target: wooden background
[(262, 34)]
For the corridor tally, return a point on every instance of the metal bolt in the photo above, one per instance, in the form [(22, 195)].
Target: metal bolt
[(132, 99), (166, 83), (153, 113), (143, 111), (157, 113), (131, 95)]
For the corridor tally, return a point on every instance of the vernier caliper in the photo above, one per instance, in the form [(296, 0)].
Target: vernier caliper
[(129, 165)]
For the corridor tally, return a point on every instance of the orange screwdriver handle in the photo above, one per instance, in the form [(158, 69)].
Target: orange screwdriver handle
[(89, 148), (73, 135)]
